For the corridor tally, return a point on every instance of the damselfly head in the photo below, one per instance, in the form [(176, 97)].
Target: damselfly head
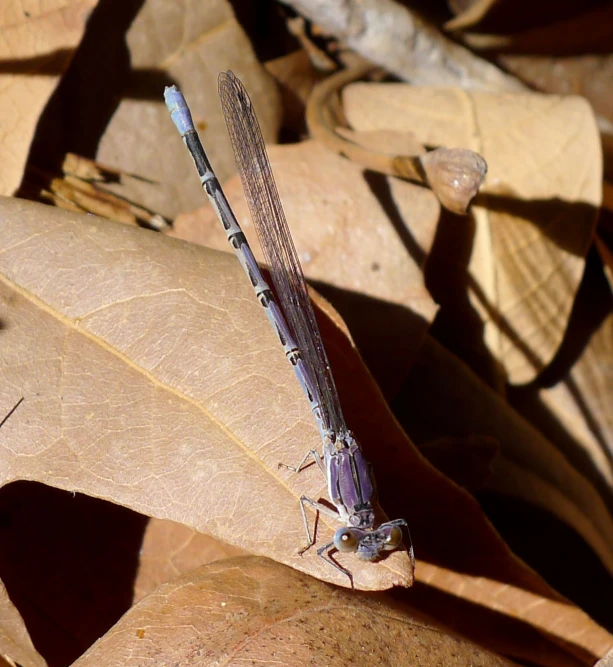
[(369, 544)]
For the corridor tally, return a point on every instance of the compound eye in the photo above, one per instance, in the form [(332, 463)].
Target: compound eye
[(345, 540), (394, 538)]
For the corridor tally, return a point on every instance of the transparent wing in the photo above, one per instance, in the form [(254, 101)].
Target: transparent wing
[(276, 241)]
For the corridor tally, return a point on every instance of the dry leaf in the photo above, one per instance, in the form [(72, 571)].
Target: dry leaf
[(606, 661), (142, 387), (170, 549), (454, 175), (570, 403), (236, 409), (255, 611), (37, 42), (15, 643), (537, 223), (343, 235), (581, 403), (499, 632), (151, 379), (389, 142), (572, 628), (504, 633)]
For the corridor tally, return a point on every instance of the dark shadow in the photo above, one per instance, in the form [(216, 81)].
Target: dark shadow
[(88, 94), (501, 632), (536, 535), (458, 326), (448, 280), (445, 277), (593, 303), (68, 562), (527, 402), (386, 334), (143, 84), (265, 24), (562, 222), (379, 186), (147, 85), (459, 329), (53, 63)]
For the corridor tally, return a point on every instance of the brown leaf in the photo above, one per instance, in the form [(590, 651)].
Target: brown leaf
[(383, 141), (35, 48), (341, 232), (499, 632), (570, 626), (142, 387), (158, 329), (454, 175), (505, 633), (536, 224), (258, 611), (235, 408), (580, 403), (15, 642), (606, 661), (170, 549), (570, 402)]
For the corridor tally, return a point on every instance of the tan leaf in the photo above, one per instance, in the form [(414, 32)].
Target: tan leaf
[(190, 47), (170, 549), (570, 404), (341, 231), (15, 642), (470, 605), (581, 403), (345, 241), (500, 632), (606, 660), (385, 141), (37, 42), (209, 359), (570, 626), (536, 224), (152, 379), (257, 611)]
